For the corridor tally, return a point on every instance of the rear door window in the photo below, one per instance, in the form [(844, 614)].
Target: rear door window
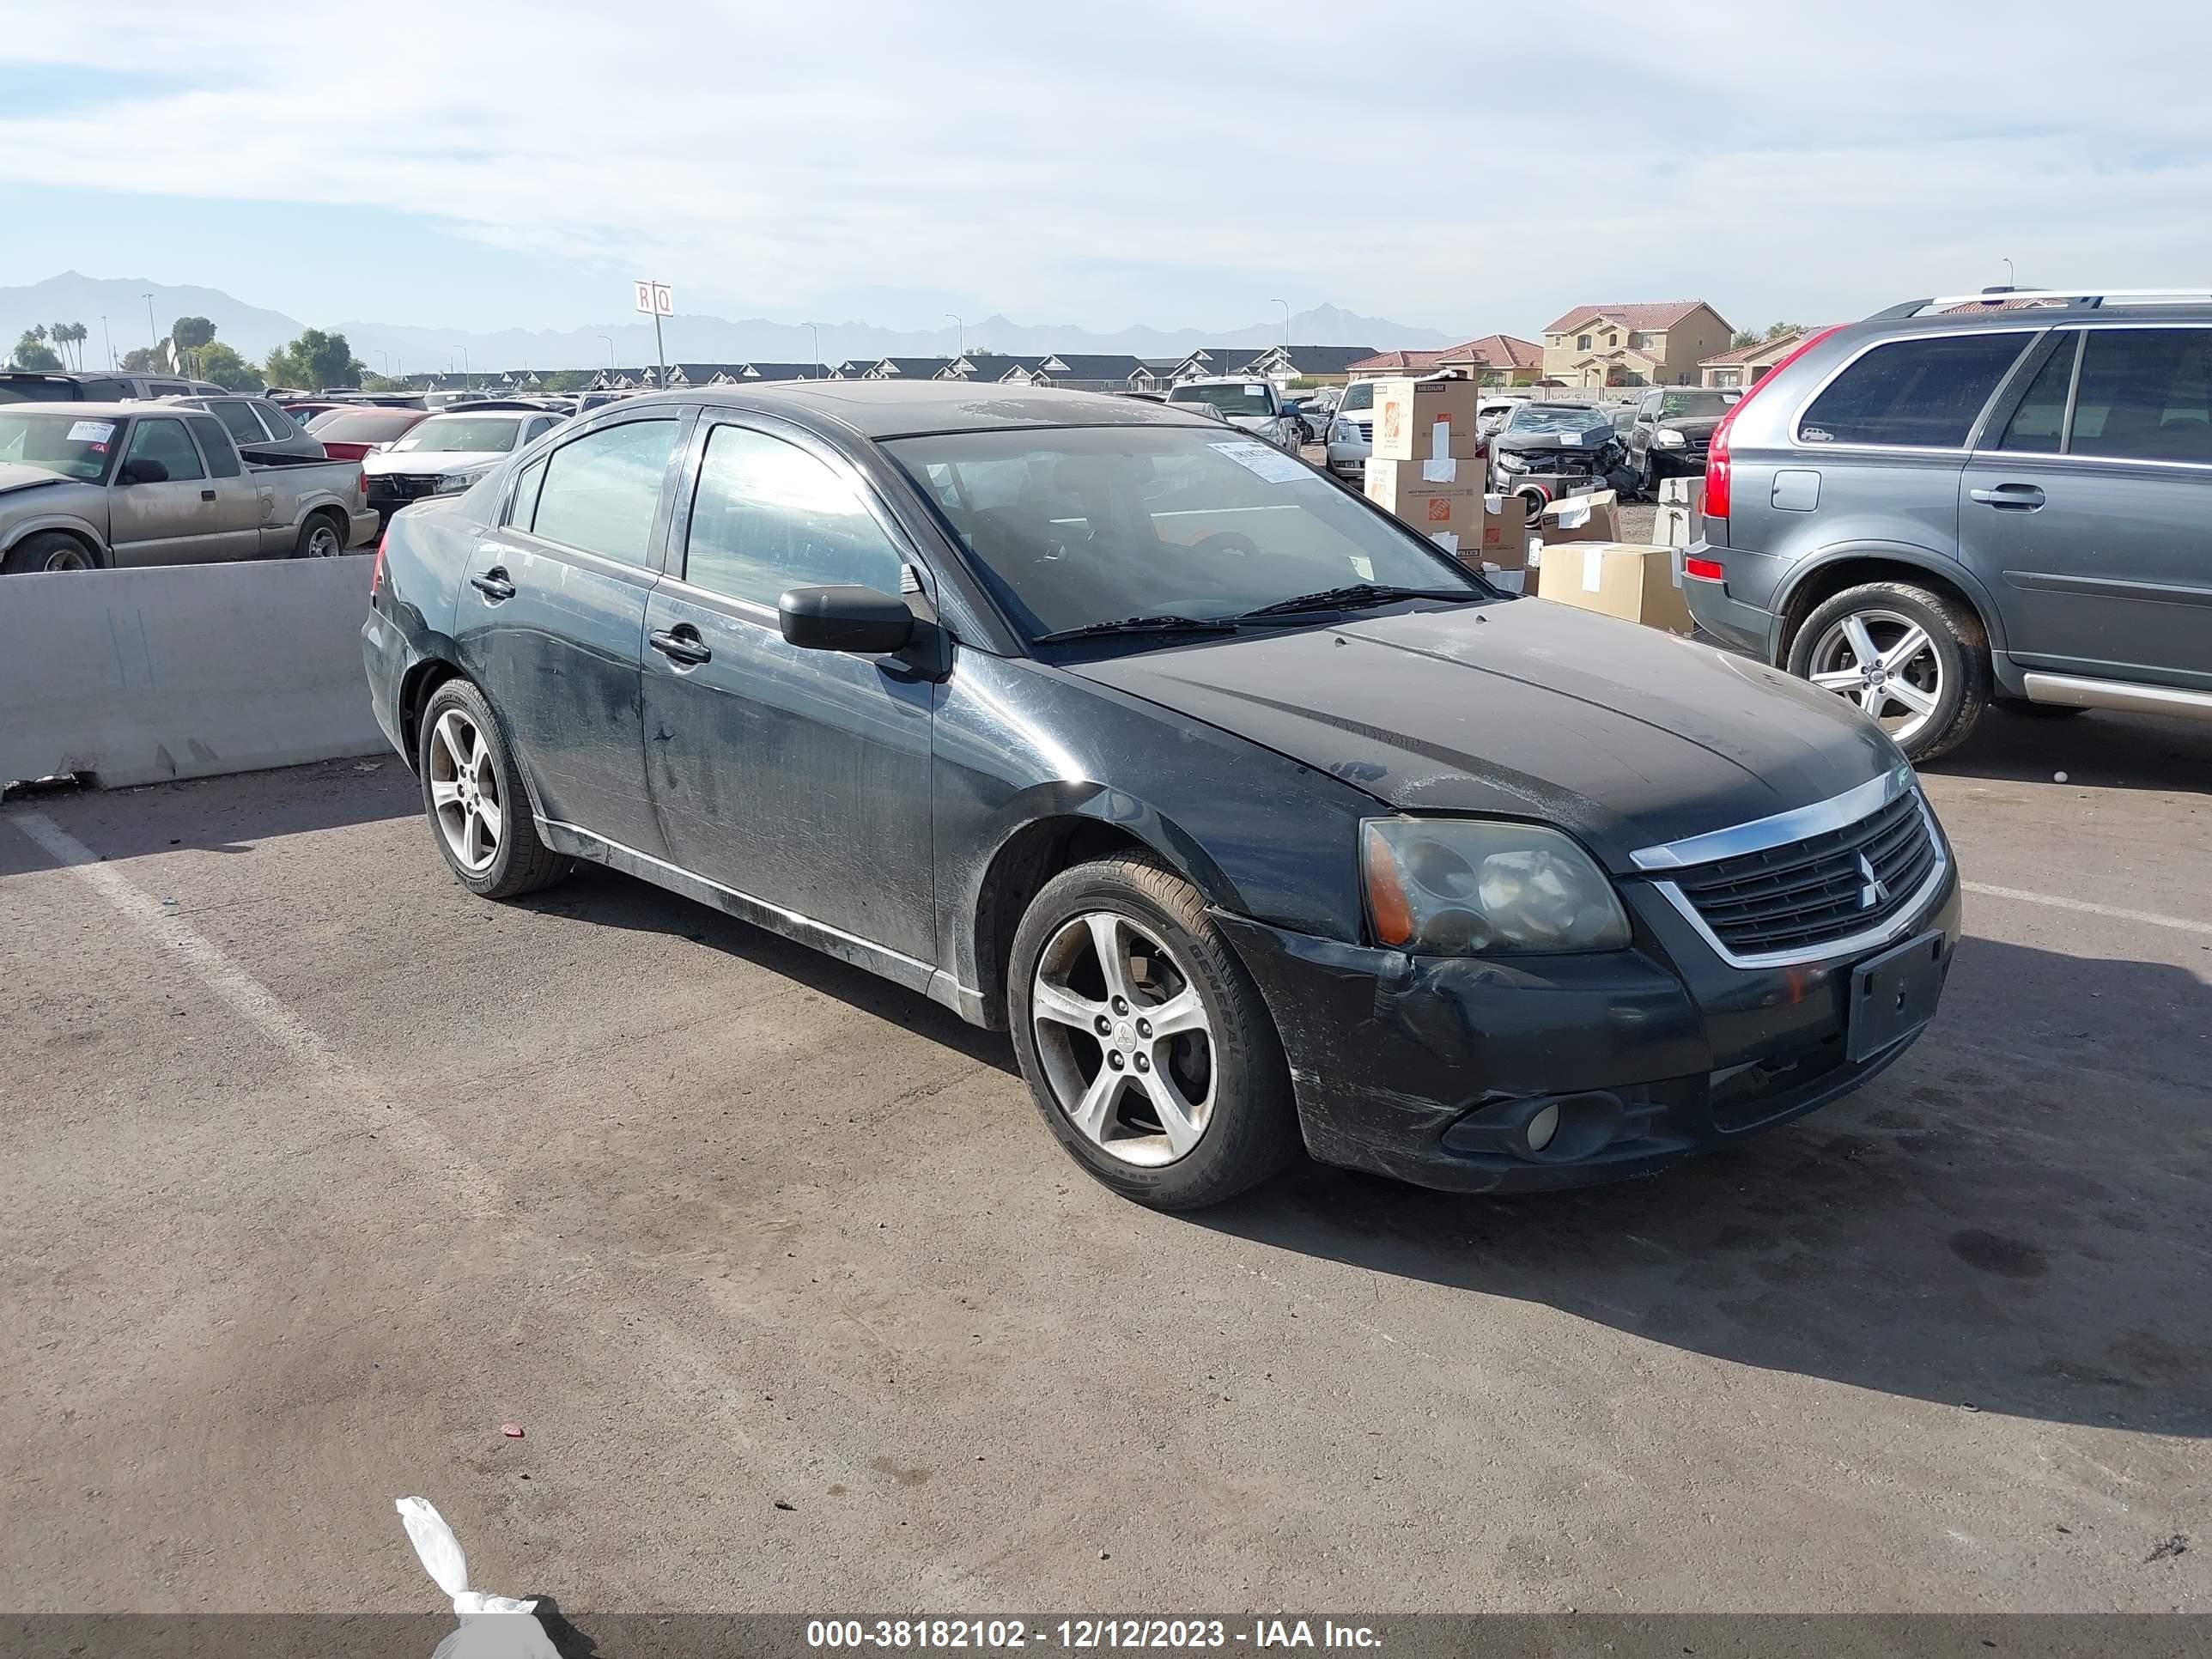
[(237, 417), (274, 421), (601, 492), (1917, 394), (222, 458), (2146, 395), (2039, 423)]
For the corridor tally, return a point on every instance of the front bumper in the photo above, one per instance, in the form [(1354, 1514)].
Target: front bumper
[(1420, 1068)]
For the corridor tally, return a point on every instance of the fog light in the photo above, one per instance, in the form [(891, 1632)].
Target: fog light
[(1542, 1128)]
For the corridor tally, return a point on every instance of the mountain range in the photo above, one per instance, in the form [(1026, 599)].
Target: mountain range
[(255, 332)]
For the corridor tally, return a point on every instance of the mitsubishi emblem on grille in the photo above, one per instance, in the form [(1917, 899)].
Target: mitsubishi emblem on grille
[(1876, 891)]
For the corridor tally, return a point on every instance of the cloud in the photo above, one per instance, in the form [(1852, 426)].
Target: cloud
[(1450, 164)]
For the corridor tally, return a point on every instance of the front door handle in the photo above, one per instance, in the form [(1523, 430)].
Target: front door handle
[(2019, 497), (207, 494), (493, 585), (681, 644)]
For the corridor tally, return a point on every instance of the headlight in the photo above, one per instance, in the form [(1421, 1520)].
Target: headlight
[(1667, 437), (1457, 887), (1512, 460), (1343, 432), (452, 483)]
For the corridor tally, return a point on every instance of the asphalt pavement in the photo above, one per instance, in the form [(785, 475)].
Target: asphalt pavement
[(322, 1171)]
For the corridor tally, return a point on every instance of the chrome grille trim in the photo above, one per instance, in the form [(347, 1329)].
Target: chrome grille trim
[(1837, 812)]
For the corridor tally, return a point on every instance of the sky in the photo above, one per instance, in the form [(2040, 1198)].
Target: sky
[(1466, 166)]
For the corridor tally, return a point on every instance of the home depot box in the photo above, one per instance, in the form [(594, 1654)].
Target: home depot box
[(1592, 517), (1425, 420), (1505, 532), (1451, 514), (1634, 581)]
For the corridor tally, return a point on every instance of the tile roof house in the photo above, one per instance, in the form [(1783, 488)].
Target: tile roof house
[(1384, 365), (1493, 359), (1639, 343), (1745, 366)]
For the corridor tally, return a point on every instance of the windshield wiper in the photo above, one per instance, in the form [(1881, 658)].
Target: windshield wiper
[(1163, 624), (1357, 596)]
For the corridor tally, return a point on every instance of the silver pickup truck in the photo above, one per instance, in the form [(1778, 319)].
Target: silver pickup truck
[(83, 485)]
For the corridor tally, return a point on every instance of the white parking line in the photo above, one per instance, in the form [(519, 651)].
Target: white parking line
[(247, 995), (2149, 918)]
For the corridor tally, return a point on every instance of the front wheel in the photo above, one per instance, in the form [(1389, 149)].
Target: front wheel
[(1144, 1042), (51, 549), (478, 811), (1915, 661)]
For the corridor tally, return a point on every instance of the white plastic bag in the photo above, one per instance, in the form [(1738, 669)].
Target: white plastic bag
[(515, 1635)]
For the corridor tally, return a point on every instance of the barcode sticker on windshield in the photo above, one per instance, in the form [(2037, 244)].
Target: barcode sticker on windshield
[(91, 432), (1265, 461)]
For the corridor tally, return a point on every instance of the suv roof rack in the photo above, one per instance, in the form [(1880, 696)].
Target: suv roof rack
[(2069, 299)]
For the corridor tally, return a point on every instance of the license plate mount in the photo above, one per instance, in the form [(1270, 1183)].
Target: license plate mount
[(1895, 994)]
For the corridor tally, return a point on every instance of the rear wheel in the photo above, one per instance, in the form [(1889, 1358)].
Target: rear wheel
[(1915, 661), (478, 811), (1145, 1044), (320, 538), (51, 549)]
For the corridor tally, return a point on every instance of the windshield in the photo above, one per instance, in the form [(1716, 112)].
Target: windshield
[(1243, 397), (1073, 527), (68, 445), (486, 433), (361, 426), (1696, 403), (1357, 395), (1539, 419)]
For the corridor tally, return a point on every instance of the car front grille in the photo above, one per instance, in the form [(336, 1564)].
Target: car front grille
[(402, 486), (1366, 430), (1829, 887)]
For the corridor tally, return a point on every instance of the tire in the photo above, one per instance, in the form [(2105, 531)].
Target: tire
[(1949, 669), (464, 762), (1224, 1071), (322, 537), (50, 549)]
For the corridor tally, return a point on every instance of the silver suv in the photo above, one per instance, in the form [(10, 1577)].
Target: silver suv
[(2002, 497)]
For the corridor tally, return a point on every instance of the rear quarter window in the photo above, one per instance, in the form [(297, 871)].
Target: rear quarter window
[(1916, 394)]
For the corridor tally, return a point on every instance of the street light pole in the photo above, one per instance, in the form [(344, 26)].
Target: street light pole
[(110, 338), (609, 343), (1285, 305), (150, 329), (816, 332), (959, 336)]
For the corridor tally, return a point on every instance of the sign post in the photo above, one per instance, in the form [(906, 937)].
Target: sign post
[(659, 300)]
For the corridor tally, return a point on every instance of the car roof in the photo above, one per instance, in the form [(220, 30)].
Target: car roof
[(106, 410), (1221, 380), (889, 409)]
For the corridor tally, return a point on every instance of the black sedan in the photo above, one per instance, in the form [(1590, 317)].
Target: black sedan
[(1542, 443), (1672, 428), (1261, 821)]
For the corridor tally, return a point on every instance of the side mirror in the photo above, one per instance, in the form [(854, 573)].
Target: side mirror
[(845, 617), (144, 469)]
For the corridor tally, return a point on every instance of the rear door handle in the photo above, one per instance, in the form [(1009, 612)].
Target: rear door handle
[(2020, 497), (207, 494), (681, 644), (493, 585)]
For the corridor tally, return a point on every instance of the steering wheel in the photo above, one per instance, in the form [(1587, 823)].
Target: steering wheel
[(1227, 541)]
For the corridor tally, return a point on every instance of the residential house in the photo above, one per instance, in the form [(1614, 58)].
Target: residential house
[(1390, 365), (1213, 361), (1320, 365), (853, 368), (1746, 365), (1494, 360), (1635, 344), (1083, 371), (906, 368), (705, 373), (986, 365), (758, 373)]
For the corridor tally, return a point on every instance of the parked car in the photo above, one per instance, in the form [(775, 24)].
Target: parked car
[(1251, 405), (1295, 410), (1492, 413), (1569, 441), (350, 433), (19, 385), (304, 410), (441, 454), (1927, 512), (1351, 436), (255, 423), (1056, 708), (1669, 429), (153, 483)]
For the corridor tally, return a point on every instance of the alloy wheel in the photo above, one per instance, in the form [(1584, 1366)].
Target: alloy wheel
[(465, 792), (323, 542), (67, 558), (1126, 1048), (1886, 663)]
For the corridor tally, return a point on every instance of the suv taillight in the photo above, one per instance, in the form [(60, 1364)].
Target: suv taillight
[(376, 570), (1717, 469)]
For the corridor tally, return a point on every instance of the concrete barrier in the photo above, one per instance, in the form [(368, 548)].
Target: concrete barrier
[(184, 671)]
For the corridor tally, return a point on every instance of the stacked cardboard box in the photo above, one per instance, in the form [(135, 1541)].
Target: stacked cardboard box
[(1681, 519), (1423, 467), (1631, 580)]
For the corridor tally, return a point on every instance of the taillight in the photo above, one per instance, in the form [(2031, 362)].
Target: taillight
[(1708, 569), (1718, 469), (361, 483), (376, 570)]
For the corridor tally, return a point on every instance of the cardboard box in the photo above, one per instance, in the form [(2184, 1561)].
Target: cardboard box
[(1512, 580), (1592, 517), (1629, 580), (1448, 514), (1425, 420), (1505, 532)]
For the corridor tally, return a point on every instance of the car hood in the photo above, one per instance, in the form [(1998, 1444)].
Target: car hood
[(1534, 441), (1625, 736), (1693, 426), (425, 461), (19, 475)]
